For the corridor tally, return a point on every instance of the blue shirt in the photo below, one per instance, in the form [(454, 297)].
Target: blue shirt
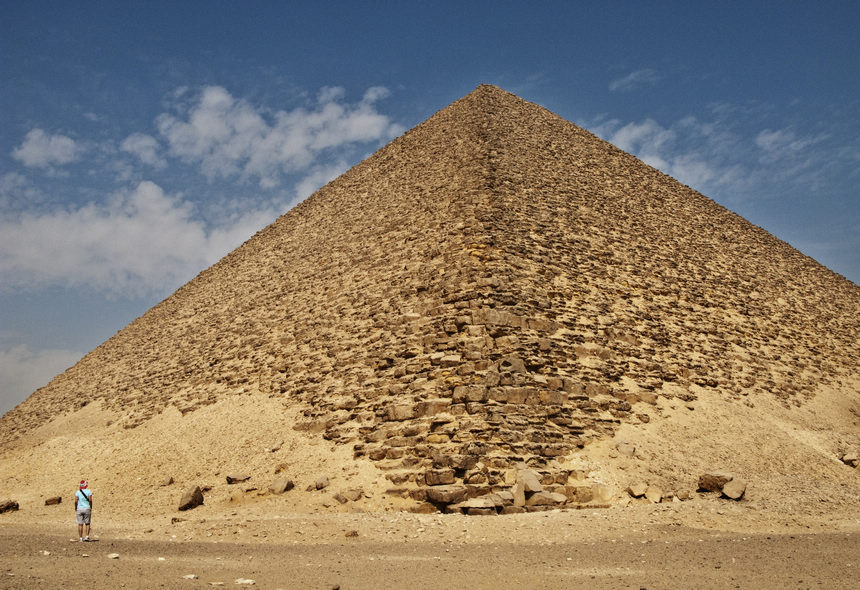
[(83, 499)]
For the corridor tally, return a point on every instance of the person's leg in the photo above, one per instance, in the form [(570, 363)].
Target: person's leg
[(88, 531), (80, 531)]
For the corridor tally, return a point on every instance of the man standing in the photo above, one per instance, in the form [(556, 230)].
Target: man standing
[(83, 510)]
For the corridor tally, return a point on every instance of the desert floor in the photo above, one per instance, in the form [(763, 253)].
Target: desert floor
[(704, 543)]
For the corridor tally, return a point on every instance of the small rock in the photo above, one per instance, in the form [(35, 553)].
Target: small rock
[(713, 481), (282, 485), (654, 494), (352, 533), (191, 499), (851, 459), (113, 555), (166, 481), (190, 577), (8, 506), (321, 482), (54, 500), (245, 581), (602, 494), (637, 490), (237, 478), (735, 489)]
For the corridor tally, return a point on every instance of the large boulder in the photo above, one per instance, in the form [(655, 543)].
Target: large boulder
[(713, 481), (735, 489), (279, 486), (191, 499), (530, 480)]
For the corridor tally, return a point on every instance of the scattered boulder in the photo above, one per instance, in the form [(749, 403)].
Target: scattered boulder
[(851, 459), (237, 478), (353, 494), (654, 494), (713, 481), (637, 490), (191, 499), (321, 483), (734, 489), (279, 486), (8, 506), (166, 481), (53, 501)]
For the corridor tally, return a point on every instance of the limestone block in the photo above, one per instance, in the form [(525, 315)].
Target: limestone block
[(436, 477), (735, 489), (546, 499), (713, 481), (530, 480), (637, 490), (602, 493), (519, 494), (401, 412), (279, 486), (451, 494), (654, 494), (192, 498)]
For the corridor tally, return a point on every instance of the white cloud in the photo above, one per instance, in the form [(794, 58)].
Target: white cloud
[(17, 192), (139, 242), (145, 147), (633, 80), (23, 371), (228, 137), (39, 149)]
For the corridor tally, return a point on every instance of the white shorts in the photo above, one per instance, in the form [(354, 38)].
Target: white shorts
[(83, 515)]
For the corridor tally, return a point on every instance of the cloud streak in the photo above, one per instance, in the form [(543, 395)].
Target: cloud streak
[(228, 137), (634, 80), (40, 149), (140, 242)]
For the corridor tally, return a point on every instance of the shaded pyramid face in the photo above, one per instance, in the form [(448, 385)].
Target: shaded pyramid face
[(495, 287)]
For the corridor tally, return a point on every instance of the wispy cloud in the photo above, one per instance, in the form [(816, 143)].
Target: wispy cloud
[(720, 155), (633, 80), (145, 147), (138, 242), (40, 149), (229, 137)]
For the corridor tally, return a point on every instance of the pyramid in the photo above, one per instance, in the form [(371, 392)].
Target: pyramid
[(496, 288)]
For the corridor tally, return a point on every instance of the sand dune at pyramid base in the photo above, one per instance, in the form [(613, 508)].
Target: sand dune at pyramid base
[(789, 463)]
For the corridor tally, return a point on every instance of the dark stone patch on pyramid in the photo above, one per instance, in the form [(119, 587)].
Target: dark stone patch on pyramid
[(492, 289)]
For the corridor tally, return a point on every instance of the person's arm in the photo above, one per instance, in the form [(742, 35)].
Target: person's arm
[(91, 500)]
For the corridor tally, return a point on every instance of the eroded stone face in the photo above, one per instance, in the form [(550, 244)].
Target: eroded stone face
[(490, 291)]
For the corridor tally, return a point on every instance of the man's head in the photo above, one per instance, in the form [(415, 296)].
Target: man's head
[(83, 483)]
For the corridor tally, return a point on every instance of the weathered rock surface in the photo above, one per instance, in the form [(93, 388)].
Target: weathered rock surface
[(713, 481), (191, 498), (281, 485), (734, 489)]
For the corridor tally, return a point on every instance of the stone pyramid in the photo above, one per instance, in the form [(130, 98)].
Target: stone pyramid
[(494, 289)]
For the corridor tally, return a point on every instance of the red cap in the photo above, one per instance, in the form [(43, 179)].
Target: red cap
[(83, 483)]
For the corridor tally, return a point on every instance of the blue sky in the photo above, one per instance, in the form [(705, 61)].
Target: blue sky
[(140, 142)]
